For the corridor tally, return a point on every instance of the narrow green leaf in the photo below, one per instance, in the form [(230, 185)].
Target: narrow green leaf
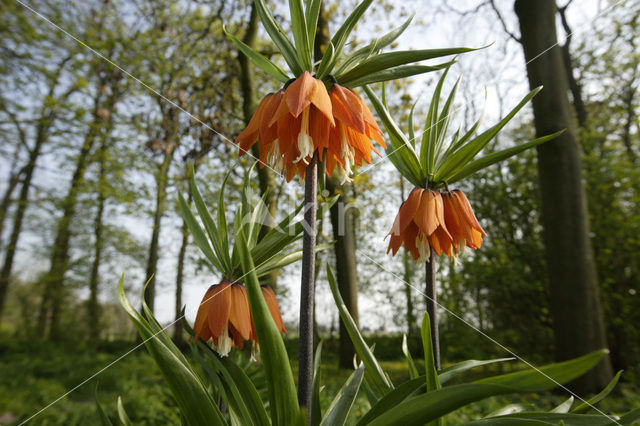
[(427, 148), (316, 409), (564, 407), (413, 371), (372, 48), (282, 390), (392, 74), (495, 157), (385, 61), (429, 363), (312, 12), (104, 419), (341, 405), (466, 153), (393, 398), (122, 414), (300, 34), (263, 63), (427, 407), (222, 221), (547, 418), (195, 402), (442, 125), (452, 371), (340, 38), (400, 150), (599, 397), (373, 369), (630, 418), (198, 234), (279, 38), (410, 129)]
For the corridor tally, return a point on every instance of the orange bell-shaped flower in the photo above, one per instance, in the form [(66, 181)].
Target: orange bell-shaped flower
[(461, 221)]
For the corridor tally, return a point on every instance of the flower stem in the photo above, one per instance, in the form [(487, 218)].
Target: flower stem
[(307, 293), (431, 299)]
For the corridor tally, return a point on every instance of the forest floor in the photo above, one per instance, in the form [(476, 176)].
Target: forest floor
[(34, 375)]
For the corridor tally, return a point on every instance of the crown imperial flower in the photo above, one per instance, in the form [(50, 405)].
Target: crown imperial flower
[(293, 124), (429, 220), (225, 318)]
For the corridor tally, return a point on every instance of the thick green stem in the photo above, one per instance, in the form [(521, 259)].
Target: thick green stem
[(432, 302), (307, 293)]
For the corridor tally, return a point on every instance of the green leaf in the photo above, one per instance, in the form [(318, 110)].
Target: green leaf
[(546, 418), (282, 390), (222, 221), (279, 38), (410, 129), (300, 34), (373, 369), (430, 128), (263, 63), (222, 252), (599, 397), (630, 418), (564, 407), (456, 160), (495, 157), (413, 371), (312, 12), (340, 38), (452, 371), (198, 234), (280, 261), (195, 402), (385, 61), (122, 414), (400, 150), (424, 408), (104, 419), (316, 408), (392, 74), (393, 398), (341, 405), (429, 363), (372, 48), (442, 125)]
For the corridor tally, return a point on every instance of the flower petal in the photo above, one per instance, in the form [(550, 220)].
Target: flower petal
[(239, 316), (219, 309), (299, 93)]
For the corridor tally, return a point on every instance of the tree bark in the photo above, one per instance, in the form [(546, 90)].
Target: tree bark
[(45, 122), (575, 305), (14, 180)]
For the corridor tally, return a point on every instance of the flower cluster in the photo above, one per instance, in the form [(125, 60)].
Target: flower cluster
[(293, 124), (224, 316), (429, 219)]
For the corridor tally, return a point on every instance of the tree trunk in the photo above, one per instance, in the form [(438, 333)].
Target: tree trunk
[(14, 180), (575, 306), (346, 271), (41, 138), (177, 331), (266, 179), (53, 294), (162, 179)]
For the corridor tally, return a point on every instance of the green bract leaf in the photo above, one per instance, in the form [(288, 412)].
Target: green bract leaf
[(279, 38), (413, 371), (341, 405), (393, 74), (263, 63), (427, 148), (198, 234), (282, 390), (312, 12), (300, 34), (400, 150), (385, 61), (373, 370), (372, 48), (340, 38), (195, 402), (495, 157)]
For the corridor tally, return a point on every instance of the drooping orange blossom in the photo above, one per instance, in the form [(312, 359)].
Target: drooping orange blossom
[(293, 124), (431, 219), (224, 316)]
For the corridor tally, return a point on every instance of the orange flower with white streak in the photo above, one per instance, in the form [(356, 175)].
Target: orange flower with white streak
[(293, 124), (225, 318), (431, 220)]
